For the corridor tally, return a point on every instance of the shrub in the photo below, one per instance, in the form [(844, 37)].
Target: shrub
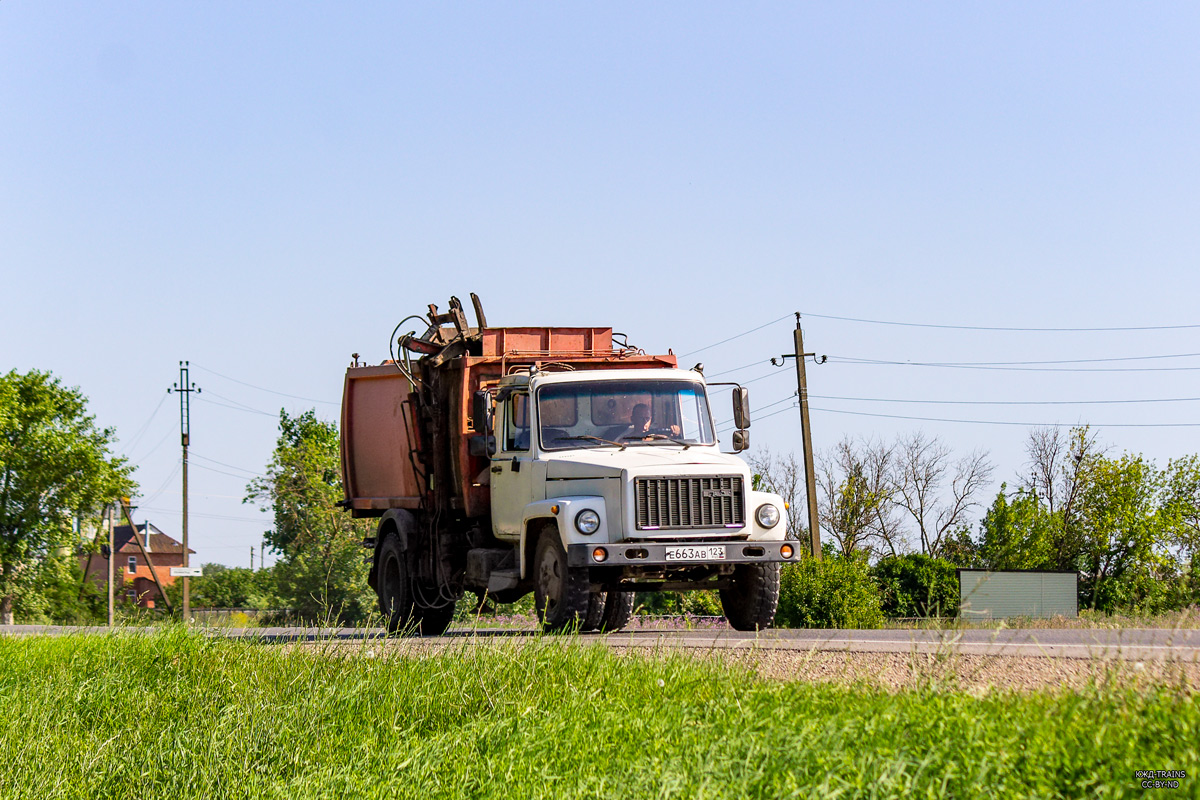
[(836, 592), (916, 585)]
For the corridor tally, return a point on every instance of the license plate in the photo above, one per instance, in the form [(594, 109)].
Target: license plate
[(713, 552)]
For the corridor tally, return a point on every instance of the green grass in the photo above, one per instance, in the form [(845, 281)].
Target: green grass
[(178, 714)]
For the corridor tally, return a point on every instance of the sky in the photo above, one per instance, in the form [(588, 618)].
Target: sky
[(264, 189)]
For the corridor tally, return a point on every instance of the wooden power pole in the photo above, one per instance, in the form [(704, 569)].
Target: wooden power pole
[(810, 475), (185, 388), (112, 556)]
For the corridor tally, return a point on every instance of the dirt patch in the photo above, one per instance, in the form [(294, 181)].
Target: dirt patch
[(950, 671), (972, 673)]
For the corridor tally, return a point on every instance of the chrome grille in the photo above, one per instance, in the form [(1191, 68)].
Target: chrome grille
[(710, 501)]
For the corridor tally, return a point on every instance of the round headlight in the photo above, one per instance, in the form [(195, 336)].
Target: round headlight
[(587, 521), (767, 515)]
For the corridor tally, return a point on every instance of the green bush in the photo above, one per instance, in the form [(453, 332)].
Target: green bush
[(836, 592), (917, 585)]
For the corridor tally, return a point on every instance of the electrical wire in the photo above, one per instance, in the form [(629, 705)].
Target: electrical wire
[(738, 336), (1006, 402), (1007, 329), (872, 362), (154, 449), (264, 389), (146, 426), (239, 407), (1020, 424), (177, 513), (165, 484), (222, 472), (728, 427), (194, 454)]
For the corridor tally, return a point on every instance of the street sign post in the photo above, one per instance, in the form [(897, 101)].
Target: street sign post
[(187, 572)]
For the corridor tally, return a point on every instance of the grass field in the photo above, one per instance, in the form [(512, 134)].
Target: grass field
[(178, 714)]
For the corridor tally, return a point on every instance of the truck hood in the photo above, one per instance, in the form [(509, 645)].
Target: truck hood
[(653, 460)]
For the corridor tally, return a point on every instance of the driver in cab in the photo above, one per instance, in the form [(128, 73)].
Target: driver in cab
[(639, 425)]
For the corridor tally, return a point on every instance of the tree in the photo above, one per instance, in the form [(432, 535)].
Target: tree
[(923, 465), (855, 506), (1125, 532), (320, 574), (1019, 532), (56, 467), (227, 587), (1182, 507), (1060, 465)]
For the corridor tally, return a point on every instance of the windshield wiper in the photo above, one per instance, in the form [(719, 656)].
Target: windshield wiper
[(686, 445), (589, 438)]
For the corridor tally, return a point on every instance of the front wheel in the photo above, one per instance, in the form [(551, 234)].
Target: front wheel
[(617, 611), (750, 601), (597, 601), (559, 592)]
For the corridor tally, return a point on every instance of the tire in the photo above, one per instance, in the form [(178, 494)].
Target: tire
[(394, 586), (559, 592), (750, 602), (595, 612), (617, 611)]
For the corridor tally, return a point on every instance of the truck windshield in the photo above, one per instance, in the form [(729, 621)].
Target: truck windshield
[(625, 412)]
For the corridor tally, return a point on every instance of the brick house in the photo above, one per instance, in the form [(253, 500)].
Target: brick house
[(132, 577)]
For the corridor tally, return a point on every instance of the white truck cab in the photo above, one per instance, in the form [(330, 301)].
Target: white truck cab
[(626, 465)]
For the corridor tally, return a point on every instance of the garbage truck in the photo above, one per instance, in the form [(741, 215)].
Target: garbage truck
[(558, 461)]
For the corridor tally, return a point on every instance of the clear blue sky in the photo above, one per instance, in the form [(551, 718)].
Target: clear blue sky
[(266, 188)]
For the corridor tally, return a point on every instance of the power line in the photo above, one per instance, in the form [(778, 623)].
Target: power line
[(165, 483), (724, 429), (238, 407), (1008, 329), (154, 449), (1030, 363), (146, 426), (269, 391), (175, 513), (738, 336), (874, 362), (222, 472), (231, 466), (1021, 424), (1007, 402)]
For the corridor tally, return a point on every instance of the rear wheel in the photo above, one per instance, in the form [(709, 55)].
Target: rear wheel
[(559, 592), (394, 585), (618, 610), (750, 601)]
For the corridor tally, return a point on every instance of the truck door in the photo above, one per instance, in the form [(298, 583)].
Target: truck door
[(512, 470)]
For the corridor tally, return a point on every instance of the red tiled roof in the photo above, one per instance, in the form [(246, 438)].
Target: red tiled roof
[(159, 541)]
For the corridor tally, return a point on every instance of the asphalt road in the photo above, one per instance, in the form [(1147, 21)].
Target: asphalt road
[(1128, 643)]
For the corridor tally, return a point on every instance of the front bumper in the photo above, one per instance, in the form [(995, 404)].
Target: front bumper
[(642, 554)]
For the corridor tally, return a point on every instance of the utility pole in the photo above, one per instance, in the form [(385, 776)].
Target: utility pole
[(110, 512), (185, 388), (252, 559), (810, 475)]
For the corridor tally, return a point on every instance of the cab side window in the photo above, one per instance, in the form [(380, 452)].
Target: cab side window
[(516, 423)]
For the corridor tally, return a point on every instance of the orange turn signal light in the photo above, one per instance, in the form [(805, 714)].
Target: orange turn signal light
[(786, 551), (554, 509), (599, 554)]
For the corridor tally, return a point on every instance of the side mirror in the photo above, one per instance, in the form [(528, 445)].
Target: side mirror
[(741, 441), (741, 407), (481, 412)]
